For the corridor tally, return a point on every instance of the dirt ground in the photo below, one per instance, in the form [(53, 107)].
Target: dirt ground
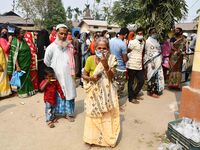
[(143, 126)]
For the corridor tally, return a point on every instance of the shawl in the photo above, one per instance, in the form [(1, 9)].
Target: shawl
[(70, 52)]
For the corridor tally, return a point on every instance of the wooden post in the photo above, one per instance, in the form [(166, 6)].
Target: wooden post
[(190, 98)]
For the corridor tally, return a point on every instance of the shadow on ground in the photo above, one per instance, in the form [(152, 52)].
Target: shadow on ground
[(5, 107), (79, 107)]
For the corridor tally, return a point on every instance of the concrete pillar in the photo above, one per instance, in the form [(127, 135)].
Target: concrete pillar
[(190, 98)]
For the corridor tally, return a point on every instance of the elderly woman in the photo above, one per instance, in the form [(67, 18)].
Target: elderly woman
[(102, 122), (20, 59)]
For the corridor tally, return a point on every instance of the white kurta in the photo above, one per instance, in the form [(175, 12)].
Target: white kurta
[(58, 59)]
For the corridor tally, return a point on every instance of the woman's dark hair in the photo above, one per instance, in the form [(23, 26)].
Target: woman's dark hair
[(3, 27), (17, 31), (42, 41), (48, 70)]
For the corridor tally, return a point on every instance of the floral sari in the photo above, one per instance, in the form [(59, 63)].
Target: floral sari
[(102, 122), (176, 61), (153, 62)]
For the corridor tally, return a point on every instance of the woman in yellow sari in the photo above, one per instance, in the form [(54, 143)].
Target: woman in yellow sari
[(102, 122), (4, 80)]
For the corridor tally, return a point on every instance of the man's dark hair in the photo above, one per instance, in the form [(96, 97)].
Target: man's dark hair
[(76, 33), (151, 29), (48, 70), (104, 32), (140, 29), (123, 31), (180, 29)]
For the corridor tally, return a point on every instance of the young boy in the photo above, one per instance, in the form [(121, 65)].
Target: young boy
[(50, 86)]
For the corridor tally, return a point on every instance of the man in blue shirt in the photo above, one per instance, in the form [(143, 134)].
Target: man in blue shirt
[(119, 48)]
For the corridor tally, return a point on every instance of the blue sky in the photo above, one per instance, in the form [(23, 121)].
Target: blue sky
[(193, 6)]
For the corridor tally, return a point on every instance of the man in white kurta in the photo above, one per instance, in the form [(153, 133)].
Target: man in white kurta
[(58, 57)]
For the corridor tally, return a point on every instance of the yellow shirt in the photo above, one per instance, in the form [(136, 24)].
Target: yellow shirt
[(90, 65)]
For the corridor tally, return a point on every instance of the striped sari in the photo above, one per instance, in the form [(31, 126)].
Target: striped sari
[(20, 51)]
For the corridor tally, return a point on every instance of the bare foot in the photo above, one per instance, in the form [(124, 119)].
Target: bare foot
[(139, 98)]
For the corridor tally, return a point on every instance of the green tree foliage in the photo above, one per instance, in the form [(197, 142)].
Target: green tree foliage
[(26, 9), (69, 12), (44, 13), (161, 14), (69, 24), (77, 13), (55, 13), (198, 15)]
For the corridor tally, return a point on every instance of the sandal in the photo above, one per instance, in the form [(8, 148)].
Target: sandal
[(121, 109), (134, 101), (51, 125), (55, 120)]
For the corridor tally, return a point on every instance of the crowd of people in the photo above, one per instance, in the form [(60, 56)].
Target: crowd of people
[(111, 70)]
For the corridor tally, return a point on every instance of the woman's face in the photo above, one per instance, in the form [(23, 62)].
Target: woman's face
[(4, 31), (101, 49), (21, 34), (101, 46)]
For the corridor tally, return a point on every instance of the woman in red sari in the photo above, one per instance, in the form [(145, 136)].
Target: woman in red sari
[(29, 37)]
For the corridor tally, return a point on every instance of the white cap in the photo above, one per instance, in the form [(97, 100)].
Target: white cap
[(185, 34), (61, 26)]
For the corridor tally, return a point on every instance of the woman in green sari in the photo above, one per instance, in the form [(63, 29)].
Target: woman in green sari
[(19, 60)]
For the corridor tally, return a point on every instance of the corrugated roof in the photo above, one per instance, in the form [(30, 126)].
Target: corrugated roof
[(27, 28), (187, 26), (15, 20), (98, 23), (10, 13)]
